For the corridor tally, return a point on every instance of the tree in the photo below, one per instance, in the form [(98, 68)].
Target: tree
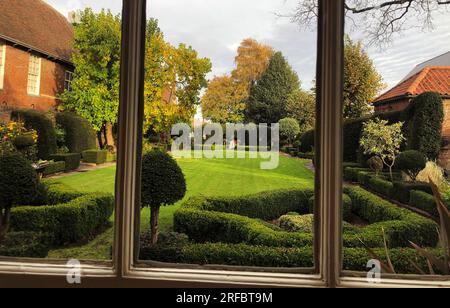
[(94, 93), (301, 105), (362, 82), (289, 129), (174, 78), (411, 162), (19, 184), (221, 102), (383, 140), (379, 20), (163, 183), (269, 96)]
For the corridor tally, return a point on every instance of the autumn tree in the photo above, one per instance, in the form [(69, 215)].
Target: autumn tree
[(94, 93), (174, 77), (301, 105), (381, 21), (269, 96), (362, 82)]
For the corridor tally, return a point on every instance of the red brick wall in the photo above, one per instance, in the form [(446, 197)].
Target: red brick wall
[(396, 106), (14, 92)]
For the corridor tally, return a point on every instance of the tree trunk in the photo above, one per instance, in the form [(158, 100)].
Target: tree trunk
[(5, 216), (100, 139), (105, 134), (154, 224)]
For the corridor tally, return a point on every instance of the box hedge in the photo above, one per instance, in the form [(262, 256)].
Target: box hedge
[(25, 245), (95, 156), (54, 167), (79, 134), (401, 190), (67, 222), (39, 121), (71, 160)]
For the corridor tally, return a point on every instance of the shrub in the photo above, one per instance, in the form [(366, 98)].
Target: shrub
[(95, 156), (18, 184), (67, 222), (351, 173), (401, 190), (297, 223), (375, 164), (380, 186), (423, 201), (289, 129), (346, 210), (170, 246), (38, 121), (79, 134), (435, 173), (162, 183), (411, 162), (25, 245), (71, 160), (307, 141), (54, 167), (425, 128), (305, 155), (24, 141)]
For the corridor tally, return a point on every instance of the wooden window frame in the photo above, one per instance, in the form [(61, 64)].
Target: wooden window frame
[(122, 271)]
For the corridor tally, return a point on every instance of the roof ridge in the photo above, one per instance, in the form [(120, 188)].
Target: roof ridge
[(429, 60), (421, 76)]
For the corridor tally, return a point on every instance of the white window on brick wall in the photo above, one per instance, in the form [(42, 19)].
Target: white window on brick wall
[(68, 80), (34, 75), (2, 63)]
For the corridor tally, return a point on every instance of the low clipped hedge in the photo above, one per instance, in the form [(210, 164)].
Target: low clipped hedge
[(297, 223), (346, 202), (400, 225), (25, 245), (305, 155), (95, 156), (351, 173), (379, 185), (401, 190), (423, 201), (72, 160), (355, 259), (54, 167), (69, 216)]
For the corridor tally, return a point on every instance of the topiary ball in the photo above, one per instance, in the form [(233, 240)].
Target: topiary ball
[(411, 162), (375, 163), (163, 182), (18, 181)]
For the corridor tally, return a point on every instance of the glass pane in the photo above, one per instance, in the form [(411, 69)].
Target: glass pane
[(228, 172), (396, 85), (57, 148)]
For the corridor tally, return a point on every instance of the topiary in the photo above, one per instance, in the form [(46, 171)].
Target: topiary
[(411, 162), (79, 135), (163, 183), (289, 129), (19, 184), (376, 164)]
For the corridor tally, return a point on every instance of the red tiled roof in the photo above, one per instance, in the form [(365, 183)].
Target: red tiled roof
[(433, 78), (36, 25)]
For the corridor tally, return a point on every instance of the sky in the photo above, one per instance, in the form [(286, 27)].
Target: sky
[(216, 27)]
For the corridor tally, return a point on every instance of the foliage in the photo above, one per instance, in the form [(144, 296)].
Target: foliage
[(269, 96), (18, 182), (383, 140), (425, 127), (297, 223), (94, 93), (174, 77), (163, 183), (43, 126), (376, 164), (411, 162), (401, 190), (78, 132), (289, 129), (95, 156), (25, 245), (54, 167), (362, 82), (301, 105), (72, 160), (433, 172)]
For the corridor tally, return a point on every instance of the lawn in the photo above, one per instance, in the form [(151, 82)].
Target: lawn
[(209, 177)]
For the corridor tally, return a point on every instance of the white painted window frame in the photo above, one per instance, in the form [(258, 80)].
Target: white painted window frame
[(37, 86), (2, 64)]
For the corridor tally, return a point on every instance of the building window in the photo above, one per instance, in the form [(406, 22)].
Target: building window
[(68, 80), (34, 75), (2, 63)]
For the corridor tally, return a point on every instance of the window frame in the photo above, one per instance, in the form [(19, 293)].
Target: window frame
[(68, 81), (38, 76), (2, 64), (122, 272)]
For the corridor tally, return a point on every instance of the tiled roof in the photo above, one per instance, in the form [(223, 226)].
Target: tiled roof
[(433, 78), (36, 25)]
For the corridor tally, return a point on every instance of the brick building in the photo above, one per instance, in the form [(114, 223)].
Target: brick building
[(35, 52), (423, 79)]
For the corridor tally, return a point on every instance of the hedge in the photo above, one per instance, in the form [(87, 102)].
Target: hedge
[(38, 121), (380, 185), (346, 202), (54, 167), (297, 223), (95, 156), (306, 155), (68, 222), (72, 160), (401, 190), (355, 259), (80, 135), (400, 225), (351, 173), (25, 245)]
